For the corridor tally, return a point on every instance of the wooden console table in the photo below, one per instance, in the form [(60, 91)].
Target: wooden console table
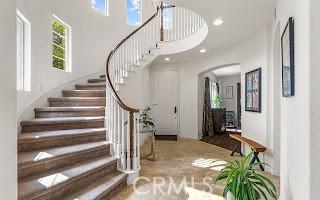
[(255, 147)]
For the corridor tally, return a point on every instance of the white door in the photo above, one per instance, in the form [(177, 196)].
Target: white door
[(165, 96)]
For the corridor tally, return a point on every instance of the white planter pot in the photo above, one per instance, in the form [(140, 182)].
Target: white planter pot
[(230, 196)]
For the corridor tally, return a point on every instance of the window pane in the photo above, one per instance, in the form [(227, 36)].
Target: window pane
[(20, 54), (58, 40), (100, 5), (58, 63), (58, 51), (167, 18), (134, 12), (59, 28)]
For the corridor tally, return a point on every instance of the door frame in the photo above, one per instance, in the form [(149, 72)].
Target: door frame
[(164, 69)]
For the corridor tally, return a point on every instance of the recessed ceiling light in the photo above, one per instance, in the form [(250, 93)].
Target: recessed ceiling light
[(218, 21), (203, 50), (167, 59)]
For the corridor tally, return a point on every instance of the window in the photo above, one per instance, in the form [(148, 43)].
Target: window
[(167, 18), (23, 53), (134, 12), (213, 92), (101, 6), (61, 45)]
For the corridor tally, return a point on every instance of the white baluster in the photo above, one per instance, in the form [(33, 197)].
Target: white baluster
[(135, 167), (128, 144), (123, 141), (118, 131)]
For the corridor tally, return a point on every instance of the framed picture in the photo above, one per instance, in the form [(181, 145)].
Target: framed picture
[(287, 49), (253, 91), (229, 92)]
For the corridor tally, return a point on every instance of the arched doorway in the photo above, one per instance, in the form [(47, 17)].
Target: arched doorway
[(224, 82)]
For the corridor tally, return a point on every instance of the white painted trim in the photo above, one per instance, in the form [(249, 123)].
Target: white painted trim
[(26, 53)]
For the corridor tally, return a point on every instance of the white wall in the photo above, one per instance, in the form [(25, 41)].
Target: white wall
[(8, 98), (93, 36), (295, 111), (315, 98), (250, 54)]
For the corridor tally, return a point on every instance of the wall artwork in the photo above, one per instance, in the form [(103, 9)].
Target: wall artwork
[(253, 91), (229, 92), (287, 47)]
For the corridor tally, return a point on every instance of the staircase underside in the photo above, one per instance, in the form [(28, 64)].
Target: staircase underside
[(63, 153)]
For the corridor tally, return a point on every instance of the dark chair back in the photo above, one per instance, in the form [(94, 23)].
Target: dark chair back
[(219, 120)]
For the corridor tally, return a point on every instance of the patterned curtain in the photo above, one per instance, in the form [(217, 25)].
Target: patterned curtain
[(207, 123), (218, 88)]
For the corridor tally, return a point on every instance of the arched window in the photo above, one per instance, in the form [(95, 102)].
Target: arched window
[(101, 6), (134, 12)]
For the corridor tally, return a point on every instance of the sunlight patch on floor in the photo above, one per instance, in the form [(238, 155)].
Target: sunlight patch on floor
[(42, 155), (213, 164), (52, 180), (195, 194)]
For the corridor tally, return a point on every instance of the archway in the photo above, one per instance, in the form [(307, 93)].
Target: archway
[(216, 80)]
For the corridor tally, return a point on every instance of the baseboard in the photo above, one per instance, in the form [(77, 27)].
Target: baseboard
[(167, 137)]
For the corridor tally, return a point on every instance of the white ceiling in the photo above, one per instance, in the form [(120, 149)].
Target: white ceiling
[(227, 71), (242, 18)]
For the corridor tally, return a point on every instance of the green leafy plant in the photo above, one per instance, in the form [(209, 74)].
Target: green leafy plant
[(145, 118), (217, 100), (244, 183)]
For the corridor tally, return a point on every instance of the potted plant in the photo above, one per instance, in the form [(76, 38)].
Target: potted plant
[(145, 120), (244, 183), (217, 100)]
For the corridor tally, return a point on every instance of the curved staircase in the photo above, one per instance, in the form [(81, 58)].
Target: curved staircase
[(63, 153)]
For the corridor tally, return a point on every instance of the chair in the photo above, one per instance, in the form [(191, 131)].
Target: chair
[(219, 120)]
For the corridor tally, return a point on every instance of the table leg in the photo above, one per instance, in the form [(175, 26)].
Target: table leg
[(236, 147), (256, 158)]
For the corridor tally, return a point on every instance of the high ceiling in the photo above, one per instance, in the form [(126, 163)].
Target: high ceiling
[(242, 18)]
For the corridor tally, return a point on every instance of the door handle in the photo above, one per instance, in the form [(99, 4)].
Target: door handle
[(175, 109)]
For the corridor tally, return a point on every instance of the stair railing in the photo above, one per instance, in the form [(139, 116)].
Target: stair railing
[(169, 23)]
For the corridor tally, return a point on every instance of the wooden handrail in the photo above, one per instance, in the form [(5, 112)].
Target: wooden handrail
[(114, 93)]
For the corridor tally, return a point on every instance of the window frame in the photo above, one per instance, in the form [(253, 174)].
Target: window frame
[(23, 78), (68, 44), (106, 10)]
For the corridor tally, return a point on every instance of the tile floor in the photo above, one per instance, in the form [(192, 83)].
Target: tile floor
[(186, 163)]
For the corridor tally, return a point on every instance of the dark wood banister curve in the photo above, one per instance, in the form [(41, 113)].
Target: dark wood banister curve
[(114, 92)]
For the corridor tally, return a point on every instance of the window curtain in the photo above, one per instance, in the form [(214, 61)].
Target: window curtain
[(207, 122), (218, 88)]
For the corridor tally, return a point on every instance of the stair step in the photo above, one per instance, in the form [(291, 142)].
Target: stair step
[(84, 93), (35, 162), (97, 80), (51, 139), (104, 188), (61, 123), (77, 101), (49, 112), (58, 184), (103, 76), (91, 86)]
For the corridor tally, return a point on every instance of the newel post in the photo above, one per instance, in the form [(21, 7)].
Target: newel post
[(131, 118), (161, 22)]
